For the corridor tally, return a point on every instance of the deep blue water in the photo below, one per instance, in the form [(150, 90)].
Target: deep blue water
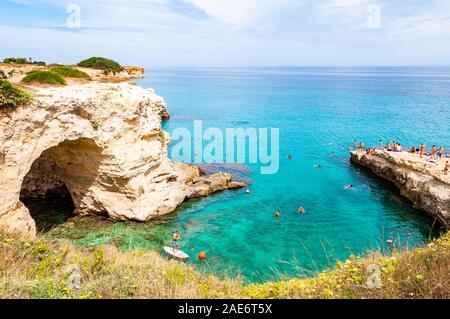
[(318, 111)]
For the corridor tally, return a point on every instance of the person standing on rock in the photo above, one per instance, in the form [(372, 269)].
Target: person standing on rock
[(433, 152), (422, 148), (440, 152), (361, 146), (446, 168)]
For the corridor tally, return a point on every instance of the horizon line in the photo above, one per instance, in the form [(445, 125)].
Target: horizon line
[(305, 66)]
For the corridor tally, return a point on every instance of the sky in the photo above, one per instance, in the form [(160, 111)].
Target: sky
[(221, 33)]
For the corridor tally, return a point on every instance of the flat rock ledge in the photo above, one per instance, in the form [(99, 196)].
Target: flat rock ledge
[(420, 181), (102, 142)]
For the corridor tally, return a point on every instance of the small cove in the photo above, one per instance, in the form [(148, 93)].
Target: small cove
[(318, 112)]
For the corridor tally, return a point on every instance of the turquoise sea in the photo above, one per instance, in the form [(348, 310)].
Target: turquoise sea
[(319, 111)]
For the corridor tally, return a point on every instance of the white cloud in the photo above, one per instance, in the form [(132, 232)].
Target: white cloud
[(245, 13), (344, 11), (236, 32), (421, 27)]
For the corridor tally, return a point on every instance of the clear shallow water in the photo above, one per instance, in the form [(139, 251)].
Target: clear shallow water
[(318, 111)]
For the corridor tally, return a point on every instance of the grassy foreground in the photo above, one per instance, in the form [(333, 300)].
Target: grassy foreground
[(49, 269)]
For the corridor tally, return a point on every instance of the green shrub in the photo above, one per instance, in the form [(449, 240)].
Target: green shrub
[(39, 63), (11, 97), (101, 64), (16, 60), (68, 72), (44, 77)]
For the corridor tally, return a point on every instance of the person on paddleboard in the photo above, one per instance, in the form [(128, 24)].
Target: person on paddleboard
[(175, 238)]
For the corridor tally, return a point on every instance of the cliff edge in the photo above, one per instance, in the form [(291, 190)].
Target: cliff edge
[(420, 181)]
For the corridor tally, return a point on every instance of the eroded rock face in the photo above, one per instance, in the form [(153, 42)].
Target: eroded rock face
[(423, 184), (105, 143)]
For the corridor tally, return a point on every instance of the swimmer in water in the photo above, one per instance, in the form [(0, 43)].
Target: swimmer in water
[(317, 166), (349, 186), (301, 210)]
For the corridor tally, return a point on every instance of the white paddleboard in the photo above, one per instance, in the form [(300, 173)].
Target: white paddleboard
[(176, 253)]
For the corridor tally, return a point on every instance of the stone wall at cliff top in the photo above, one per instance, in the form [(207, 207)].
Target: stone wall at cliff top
[(105, 143), (423, 184)]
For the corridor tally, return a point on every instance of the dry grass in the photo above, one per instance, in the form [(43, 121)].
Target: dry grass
[(421, 273), (114, 79), (44, 269)]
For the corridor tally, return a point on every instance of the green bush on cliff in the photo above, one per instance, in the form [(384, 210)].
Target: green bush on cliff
[(44, 77), (16, 60), (100, 63), (39, 63), (11, 97), (68, 72)]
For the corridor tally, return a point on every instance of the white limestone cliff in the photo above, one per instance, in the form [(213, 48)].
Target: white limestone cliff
[(422, 182), (105, 143)]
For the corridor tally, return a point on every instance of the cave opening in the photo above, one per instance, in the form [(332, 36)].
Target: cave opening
[(50, 210), (57, 178), (45, 194)]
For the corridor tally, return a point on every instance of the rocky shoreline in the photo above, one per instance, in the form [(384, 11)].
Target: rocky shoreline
[(421, 182), (104, 142)]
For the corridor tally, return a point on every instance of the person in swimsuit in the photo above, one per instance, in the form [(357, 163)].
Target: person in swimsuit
[(440, 152), (433, 152), (446, 168), (175, 238), (422, 148), (361, 147)]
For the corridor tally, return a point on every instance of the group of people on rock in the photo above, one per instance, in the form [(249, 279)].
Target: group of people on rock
[(360, 147), (394, 147), (435, 154)]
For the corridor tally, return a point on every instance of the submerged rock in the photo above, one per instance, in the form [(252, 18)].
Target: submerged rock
[(104, 142)]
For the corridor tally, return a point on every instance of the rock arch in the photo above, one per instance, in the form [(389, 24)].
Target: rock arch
[(105, 142), (66, 170), (90, 137), (71, 164)]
